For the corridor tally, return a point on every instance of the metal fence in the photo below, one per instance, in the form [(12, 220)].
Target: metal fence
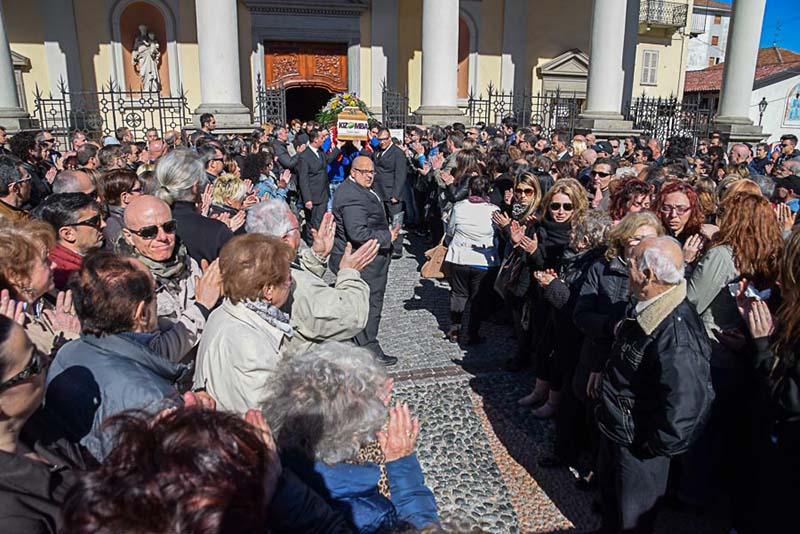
[(662, 13), (395, 112), (102, 112), (270, 103), (663, 118), (553, 111)]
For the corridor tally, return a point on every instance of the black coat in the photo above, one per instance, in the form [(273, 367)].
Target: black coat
[(203, 237), (390, 173), (282, 156), (312, 175), (657, 389)]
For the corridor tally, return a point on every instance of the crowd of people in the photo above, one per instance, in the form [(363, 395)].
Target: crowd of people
[(171, 358)]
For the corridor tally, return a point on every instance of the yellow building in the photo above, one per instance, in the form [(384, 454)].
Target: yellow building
[(219, 52)]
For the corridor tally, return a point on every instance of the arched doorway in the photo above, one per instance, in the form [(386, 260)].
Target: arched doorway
[(304, 102)]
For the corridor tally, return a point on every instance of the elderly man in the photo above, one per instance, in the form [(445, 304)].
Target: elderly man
[(361, 218), (78, 223), (185, 295), (156, 148), (74, 182), (317, 311), (656, 388), (739, 153), (15, 188)]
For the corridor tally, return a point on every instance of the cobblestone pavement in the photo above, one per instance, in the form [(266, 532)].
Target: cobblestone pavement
[(478, 449)]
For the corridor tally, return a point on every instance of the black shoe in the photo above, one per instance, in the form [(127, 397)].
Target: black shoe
[(386, 360)]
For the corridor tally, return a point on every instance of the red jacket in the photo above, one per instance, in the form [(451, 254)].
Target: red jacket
[(66, 263)]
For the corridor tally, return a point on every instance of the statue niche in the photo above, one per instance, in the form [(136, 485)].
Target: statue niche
[(145, 56)]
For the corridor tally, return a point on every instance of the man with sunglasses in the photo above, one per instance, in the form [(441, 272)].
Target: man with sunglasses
[(599, 178), (78, 223), (15, 189), (789, 149)]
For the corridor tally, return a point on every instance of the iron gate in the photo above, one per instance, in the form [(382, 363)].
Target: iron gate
[(553, 111), (270, 104), (102, 112), (663, 118), (395, 112)]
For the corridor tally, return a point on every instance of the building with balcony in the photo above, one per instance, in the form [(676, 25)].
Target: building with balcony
[(708, 33)]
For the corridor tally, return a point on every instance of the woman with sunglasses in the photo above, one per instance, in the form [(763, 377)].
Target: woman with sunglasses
[(514, 278), (564, 203), (26, 281), (35, 473)]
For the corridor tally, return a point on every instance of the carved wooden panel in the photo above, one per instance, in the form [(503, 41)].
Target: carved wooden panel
[(302, 63)]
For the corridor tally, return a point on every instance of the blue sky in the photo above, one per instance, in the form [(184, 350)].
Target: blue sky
[(781, 22)]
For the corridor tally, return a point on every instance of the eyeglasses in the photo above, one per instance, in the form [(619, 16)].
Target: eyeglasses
[(136, 191), (384, 138), (566, 206), (600, 174), (680, 210), (94, 222), (785, 145), (150, 232), (221, 160), (364, 171), (524, 191), (39, 362)]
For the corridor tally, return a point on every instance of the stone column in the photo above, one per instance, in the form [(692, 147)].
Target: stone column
[(514, 74), (439, 63), (12, 116), (61, 45), (739, 71), (383, 50), (218, 46)]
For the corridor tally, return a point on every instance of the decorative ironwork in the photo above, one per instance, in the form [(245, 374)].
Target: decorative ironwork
[(270, 103), (102, 112), (661, 13), (394, 108), (663, 118), (553, 111)]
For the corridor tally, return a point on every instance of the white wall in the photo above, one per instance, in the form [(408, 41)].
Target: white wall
[(700, 47), (777, 96)]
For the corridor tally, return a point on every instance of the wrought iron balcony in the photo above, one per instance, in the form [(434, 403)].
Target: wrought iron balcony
[(657, 13)]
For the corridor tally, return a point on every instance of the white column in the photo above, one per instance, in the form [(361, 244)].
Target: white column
[(383, 49), (514, 76), (439, 103), (740, 61), (604, 94), (10, 110), (218, 46), (61, 45)]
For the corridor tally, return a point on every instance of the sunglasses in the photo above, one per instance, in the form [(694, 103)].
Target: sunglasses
[(601, 174), (526, 192), (94, 222), (150, 232), (38, 363), (566, 206)]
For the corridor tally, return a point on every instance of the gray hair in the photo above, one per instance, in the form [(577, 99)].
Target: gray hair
[(659, 263), (324, 403), (592, 228), (269, 217), (766, 183), (67, 182), (176, 175)]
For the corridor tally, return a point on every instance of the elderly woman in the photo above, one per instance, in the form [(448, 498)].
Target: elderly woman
[(473, 257), (326, 404), (117, 188), (241, 346), (35, 473), (110, 368), (26, 283)]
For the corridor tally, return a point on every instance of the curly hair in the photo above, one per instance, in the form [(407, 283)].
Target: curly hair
[(574, 190), (190, 470), (23, 244), (696, 216), (324, 404), (748, 225), (254, 165), (624, 194), (619, 235)]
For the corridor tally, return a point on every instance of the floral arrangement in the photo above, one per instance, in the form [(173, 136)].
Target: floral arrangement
[(337, 103)]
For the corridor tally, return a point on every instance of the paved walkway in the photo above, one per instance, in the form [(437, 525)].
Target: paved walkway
[(477, 447)]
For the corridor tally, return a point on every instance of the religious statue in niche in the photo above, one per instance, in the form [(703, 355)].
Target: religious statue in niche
[(145, 57)]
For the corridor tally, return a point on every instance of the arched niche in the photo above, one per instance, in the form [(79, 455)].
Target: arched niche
[(158, 16)]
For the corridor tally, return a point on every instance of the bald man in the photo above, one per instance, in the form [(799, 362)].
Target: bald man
[(656, 388), (185, 293), (740, 153), (156, 149), (360, 217)]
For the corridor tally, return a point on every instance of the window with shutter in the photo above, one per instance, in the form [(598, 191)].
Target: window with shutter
[(649, 67), (714, 40)]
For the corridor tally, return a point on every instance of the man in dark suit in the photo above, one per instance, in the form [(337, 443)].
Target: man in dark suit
[(360, 216), (390, 180), (280, 145), (312, 177)]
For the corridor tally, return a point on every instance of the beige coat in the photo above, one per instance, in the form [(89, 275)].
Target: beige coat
[(237, 357)]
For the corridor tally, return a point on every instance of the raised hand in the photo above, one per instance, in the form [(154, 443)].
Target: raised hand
[(692, 248), (437, 161), (544, 277), (501, 219), (759, 319), (208, 288), (400, 436), (517, 232), (237, 221), (250, 201), (448, 178), (11, 308), (785, 217), (529, 244), (324, 236), (361, 258), (284, 178), (394, 232), (205, 200), (593, 386), (63, 318)]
